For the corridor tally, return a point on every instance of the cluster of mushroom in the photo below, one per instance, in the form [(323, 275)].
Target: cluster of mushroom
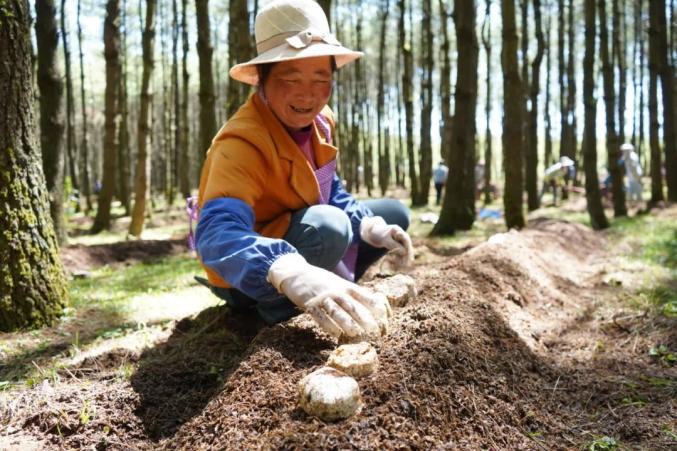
[(332, 393)]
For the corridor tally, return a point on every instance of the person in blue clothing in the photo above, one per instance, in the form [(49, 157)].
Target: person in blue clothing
[(277, 232), (440, 179)]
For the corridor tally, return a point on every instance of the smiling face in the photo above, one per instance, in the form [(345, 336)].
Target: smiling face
[(297, 90)]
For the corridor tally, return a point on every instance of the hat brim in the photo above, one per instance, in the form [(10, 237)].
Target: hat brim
[(247, 72)]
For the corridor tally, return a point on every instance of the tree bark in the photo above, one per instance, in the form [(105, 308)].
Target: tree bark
[(51, 111), (143, 166), (488, 157), (33, 289), (612, 144), (619, 45), (427, 69), (124, 172), (71, 151), (111, 38), (598, 219), (185, 162), (666, 75), (383, 145), (206, 95), (512, 121), (458, 207), (408, 98), (239, 50), (655, 170), (532, 124), (547, 157), (84, 147)]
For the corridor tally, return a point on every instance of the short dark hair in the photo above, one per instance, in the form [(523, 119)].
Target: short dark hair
[(264, 70)]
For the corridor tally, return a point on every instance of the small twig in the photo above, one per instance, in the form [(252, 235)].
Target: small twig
[(554, 388)]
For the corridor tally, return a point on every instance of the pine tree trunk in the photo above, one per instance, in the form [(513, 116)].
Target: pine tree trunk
[(408, 98), (512, 121), (143, 166), (84, 147), (598, 219), (428, 66), (571, 130), (612, 144), (124, 175), (619, 57), (185, 162), (561, 65), (51, 112), (547, 157), (532, 127), (666, 75), (33, 289), (655, 170), (458, 207), (488, 157), (383, 145), (445, 83), (111, 38), (71, 151), (206, 95), (238, 51)]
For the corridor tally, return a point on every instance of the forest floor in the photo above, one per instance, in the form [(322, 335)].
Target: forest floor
[(555, 337)]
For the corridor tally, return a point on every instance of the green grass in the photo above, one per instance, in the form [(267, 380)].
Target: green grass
[(114, 286)]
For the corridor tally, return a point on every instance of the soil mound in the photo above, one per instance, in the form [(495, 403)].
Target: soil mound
[(463, 367), (498, 351)]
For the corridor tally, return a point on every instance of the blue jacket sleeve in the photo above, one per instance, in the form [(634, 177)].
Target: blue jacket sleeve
[(345, 201), (228, 245)]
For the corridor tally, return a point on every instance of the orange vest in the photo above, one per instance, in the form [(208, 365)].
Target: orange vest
[(253, 158)]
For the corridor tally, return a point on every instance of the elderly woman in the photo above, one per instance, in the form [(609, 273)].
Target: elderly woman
[(277, 232)]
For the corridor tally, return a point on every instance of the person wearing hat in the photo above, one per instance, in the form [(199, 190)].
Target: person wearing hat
[(277, 232), (555, 176)]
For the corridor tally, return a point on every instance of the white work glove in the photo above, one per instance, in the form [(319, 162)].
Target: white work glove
[(337, 305), (376, 232)]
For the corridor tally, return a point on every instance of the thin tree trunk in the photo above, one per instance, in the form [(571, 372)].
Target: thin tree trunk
[(458, 207), (561, 72), (84, 147), (111, 39), (239, 51), (176, 97), (547, 157), (206, 95), (488, 164), (598, 219), (143, 166), (612, 144), (71, 151), (185, 162), (654, 140), (33, 288), (571, 95), (426, 151), (124, 171), (619, 47), (51, 111), (383, 145), (408, 98), (532, 128), (512, 121), (666, 75)]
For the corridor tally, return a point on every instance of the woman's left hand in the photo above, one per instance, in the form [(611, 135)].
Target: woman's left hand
[(376, 232)]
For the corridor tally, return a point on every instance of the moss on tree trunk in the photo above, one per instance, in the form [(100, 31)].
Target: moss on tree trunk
[(32, 283)]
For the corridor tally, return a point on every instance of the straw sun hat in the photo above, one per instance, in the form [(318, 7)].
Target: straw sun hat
[(288, 30)]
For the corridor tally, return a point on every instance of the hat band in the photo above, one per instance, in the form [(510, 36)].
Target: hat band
[(297, 40)]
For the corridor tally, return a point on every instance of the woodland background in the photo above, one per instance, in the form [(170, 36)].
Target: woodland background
[(129, 94)]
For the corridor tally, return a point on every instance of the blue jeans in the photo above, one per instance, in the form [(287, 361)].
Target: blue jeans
[(321, 234)]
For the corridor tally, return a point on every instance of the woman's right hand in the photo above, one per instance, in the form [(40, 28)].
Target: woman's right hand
[(337, 305)]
